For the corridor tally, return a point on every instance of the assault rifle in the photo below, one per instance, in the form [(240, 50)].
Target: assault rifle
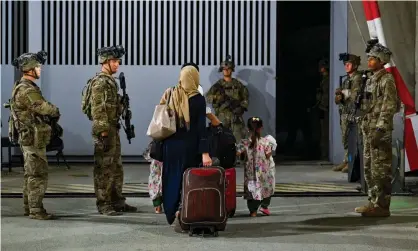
[(360, 95), (126, 113), (342, 80), (231, 104), (341, 86)]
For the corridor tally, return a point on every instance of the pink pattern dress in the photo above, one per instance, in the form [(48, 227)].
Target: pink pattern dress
[(259, 180)]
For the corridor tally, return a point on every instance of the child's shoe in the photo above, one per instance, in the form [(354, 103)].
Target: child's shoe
[(265, 211), (253, 214)]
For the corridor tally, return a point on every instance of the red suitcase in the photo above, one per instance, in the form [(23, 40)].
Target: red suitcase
[(203, 201), (231, 191)]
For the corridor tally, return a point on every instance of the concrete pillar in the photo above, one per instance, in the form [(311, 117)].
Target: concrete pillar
[(339, 38)]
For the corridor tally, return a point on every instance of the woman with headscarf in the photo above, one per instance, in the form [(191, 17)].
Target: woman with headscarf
[(189, 146)]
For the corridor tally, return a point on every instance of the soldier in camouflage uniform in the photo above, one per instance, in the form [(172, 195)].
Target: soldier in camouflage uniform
[(344, 98), (106, 108), (29, 110), (379, 105), (322, 105), (229, 98)]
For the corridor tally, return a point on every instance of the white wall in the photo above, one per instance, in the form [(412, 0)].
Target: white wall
[(145, 86)]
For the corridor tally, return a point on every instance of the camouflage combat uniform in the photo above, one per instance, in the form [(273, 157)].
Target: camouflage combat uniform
[(230, 101), (380, 106), (28, 107), (348, 90), (106, 108), (322, 100)]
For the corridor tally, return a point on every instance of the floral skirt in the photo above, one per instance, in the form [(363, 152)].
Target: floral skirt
[(154, 180)]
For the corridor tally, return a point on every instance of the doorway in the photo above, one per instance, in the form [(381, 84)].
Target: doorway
[(303, 38)]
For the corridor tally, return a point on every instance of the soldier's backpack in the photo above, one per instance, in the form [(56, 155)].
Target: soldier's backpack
[(13, 131), (85, 98), (86, 95), (222, 145)]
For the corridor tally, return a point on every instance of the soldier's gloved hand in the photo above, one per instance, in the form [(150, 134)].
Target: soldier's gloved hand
[(338, 91), (338, 98), (106, 143), (376, 137)]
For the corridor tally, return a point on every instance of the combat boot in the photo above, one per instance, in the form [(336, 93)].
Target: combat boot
[(109, 212), (41, 215), (376, 212), (364, 208), (125, 208), (339, 167), (27, 211), (345, 169)]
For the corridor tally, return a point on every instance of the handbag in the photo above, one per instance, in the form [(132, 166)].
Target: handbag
[(156, 150), (163, 122)]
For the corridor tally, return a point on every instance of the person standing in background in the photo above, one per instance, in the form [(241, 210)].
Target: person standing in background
[(344, 98)]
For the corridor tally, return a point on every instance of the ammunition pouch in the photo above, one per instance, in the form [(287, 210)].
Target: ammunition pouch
[(41, 135), (25, 136), (13, 132)]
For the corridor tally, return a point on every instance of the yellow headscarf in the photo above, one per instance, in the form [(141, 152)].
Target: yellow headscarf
[(186, 88)]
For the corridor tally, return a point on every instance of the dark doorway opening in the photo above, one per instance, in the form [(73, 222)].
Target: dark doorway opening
[(303, 38)]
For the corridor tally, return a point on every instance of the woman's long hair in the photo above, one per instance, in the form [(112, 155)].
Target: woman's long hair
[(254, 125)]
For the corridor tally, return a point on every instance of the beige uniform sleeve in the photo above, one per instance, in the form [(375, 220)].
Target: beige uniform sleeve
[(389, 104)]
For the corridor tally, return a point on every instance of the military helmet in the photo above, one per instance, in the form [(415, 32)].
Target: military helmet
[(377, 50), (323, 63), (28, 61), (227, 63), (346, 57), (112, 52)]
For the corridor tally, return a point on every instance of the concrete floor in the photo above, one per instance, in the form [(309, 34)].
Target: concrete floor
[(290, 178), (297, 224)]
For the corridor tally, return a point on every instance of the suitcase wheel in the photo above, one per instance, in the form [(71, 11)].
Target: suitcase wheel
[(203, 231), (231, 214)]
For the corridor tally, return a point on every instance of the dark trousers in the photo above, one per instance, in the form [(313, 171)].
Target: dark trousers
[(157, 202), (253, 205)]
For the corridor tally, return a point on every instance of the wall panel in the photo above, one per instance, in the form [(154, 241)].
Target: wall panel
[(14, 38), (158, 32)]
